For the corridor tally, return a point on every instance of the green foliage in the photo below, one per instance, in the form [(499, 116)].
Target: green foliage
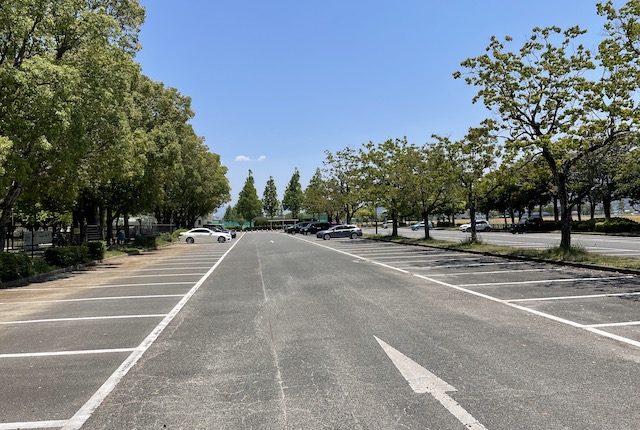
[(145, 242), (316, 195), (176, 233), (15, 266), (547, 102), (165, 237), (67, 256), (293, 196), (345, 187), (617, 225), (611, 225), (97, 249), (249, 206), (270, 203)]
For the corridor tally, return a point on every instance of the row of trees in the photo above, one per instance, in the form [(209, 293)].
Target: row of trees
[(564, 129), (85, 137)]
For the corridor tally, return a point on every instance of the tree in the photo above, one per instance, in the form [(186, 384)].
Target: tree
[(385, 173), (249, 206), (546, 103), (630, 177), (293, 195), (64, 74), (316, 196), (229, 214), (270, 203), (431, 180), (472, 158), (344, 182)]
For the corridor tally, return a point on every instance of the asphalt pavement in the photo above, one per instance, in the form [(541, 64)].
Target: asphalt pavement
[(274, 331), (615, 246)]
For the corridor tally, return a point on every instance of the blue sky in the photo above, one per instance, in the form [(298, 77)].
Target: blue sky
[(275, 83)]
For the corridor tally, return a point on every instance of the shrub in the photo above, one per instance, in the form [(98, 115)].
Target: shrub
[(588, 225), (66, 256), (176, 233), (97, 249), (617, 225), (15, 266), (166, 237), (147, 242)]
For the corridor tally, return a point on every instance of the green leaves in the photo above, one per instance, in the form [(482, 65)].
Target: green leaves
[(248, 205), (293, 196)]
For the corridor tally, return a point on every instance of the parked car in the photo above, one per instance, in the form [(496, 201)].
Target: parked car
[(202, 235), (296, 228), (314, 227), (420, 226), (533, 223), (481, 225), (341, 230), (224, 230)]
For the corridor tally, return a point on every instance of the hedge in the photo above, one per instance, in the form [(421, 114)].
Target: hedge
[(67, 256), (97, 249), (612, 225), (15, 266)]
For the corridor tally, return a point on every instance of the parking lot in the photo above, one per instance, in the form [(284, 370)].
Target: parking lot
[(266, 343), (65, 343), (603, 302)]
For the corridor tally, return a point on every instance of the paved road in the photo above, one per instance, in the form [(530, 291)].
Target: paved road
[(618, 246), (273, 331)]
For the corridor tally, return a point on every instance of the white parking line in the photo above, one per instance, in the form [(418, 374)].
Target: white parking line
[(590, 296), (60, 353), (98, 397), (81, 287), (591, 328), (165, 268), (619, 324), (89, 299), (116, 317), (166, 275), (543, 281), (33, 425), (453, 266), (494, 272)]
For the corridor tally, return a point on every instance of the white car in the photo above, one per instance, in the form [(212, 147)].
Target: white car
[(420, 226), (202, 235), (481, 225)]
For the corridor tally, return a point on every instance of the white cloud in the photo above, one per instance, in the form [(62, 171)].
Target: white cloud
[(245, 158)]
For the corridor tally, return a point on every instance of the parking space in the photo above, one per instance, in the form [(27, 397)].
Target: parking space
[(63, 341), (604, 302)]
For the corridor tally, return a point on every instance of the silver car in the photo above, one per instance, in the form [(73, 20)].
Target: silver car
[(341, 230), (481, 225)]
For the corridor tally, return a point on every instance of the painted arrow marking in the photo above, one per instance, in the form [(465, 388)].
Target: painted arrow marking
[(423, 381)]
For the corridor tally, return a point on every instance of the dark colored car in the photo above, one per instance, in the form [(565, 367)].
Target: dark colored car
[(533, 223), (297, 228), (342, 230), (315, 227)]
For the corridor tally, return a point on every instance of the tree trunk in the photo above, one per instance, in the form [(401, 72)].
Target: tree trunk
[(109, 226), (394, 223), (472, 215), (425, 218), (606, 206), (565, 212), (12, 195)]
